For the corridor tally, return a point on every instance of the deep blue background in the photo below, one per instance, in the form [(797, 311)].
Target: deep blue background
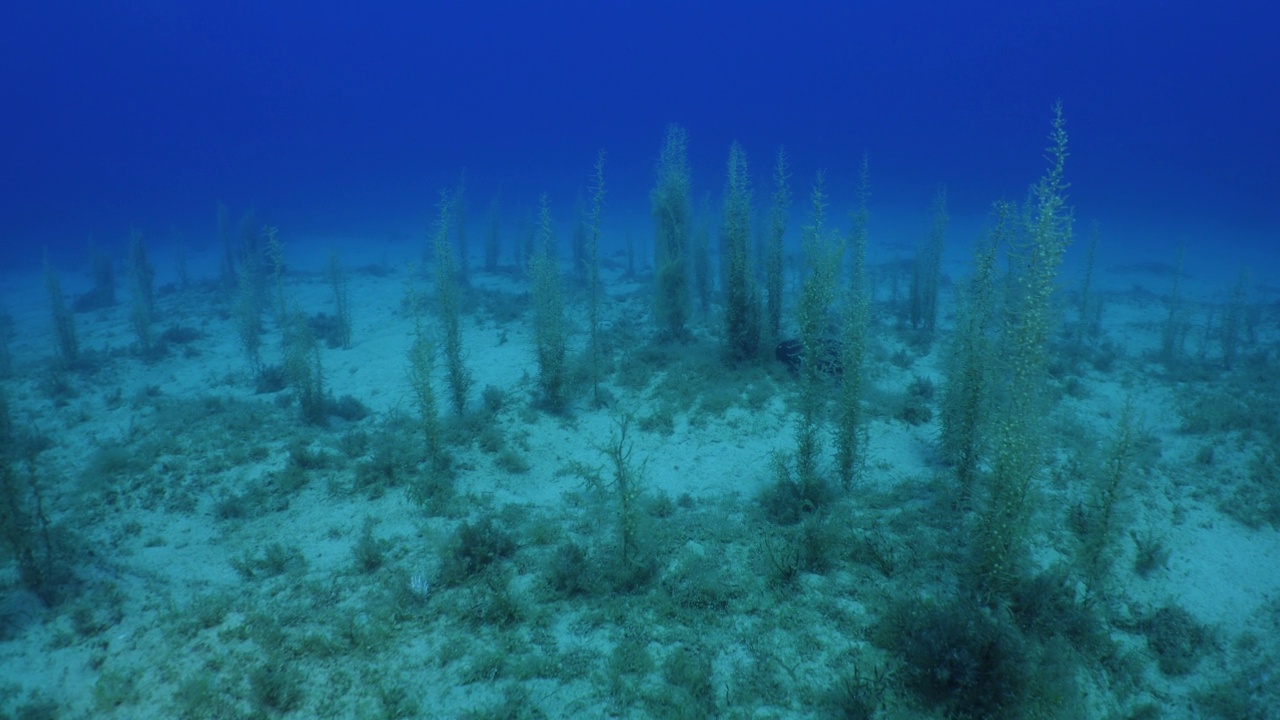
[(334, 119)]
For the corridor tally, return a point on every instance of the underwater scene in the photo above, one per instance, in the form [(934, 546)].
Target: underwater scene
[(620, 360)]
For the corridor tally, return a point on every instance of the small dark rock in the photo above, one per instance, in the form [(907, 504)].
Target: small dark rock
[(791, 354)]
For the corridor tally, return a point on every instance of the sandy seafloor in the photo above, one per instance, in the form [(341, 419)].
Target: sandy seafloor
[(214, 574)]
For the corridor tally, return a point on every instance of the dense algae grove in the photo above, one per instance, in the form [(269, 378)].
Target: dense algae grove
[(735, 459)]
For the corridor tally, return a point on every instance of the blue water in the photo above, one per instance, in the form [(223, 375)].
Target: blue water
[(337, 119)]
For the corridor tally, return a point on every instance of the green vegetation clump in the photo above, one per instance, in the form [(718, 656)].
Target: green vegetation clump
[(850, 436), (742, 302), (227, 270), (1254, 501), (1150, 553), (66, 343), (7, 333), (493, 240), (970, 357), (578, 263), (449, 297), (1000, 535), (1248, 693), (511, 461), (303, 372), (626, 559), (1176, 639), (369, 553), (1088, 326), (811, 545), (327, 329), (248, 310), (778, 214), (142, 306), (1235, 316), (957, 658), (275, 560), (28, 535), (551, 333), (341, 304), (475, 546), (103, 274), (926, 276), (595, 290), (791, 497), (858, 695), (421, 357), (915, 408), (1173, 333), (1051, 606), (275, 685), (1103, 528), (823, 263), (391, 458), (703, 284), (966, 662), (672, 246), (571, 572), (116, 688), (462, 240), (690, 687), (633, 558)]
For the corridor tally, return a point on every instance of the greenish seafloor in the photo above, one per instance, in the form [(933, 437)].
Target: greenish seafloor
[(210, 555)]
